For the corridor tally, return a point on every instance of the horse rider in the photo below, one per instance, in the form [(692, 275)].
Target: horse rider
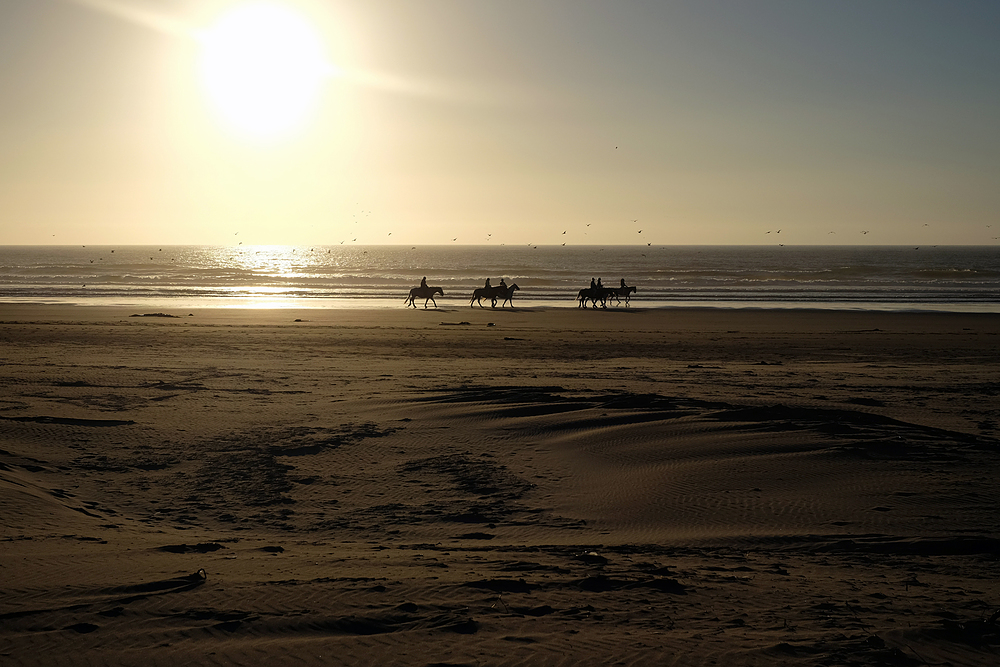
[(503, 283), (423, 282), (599, 284), (593, 285), (488, 283), (623, 284)]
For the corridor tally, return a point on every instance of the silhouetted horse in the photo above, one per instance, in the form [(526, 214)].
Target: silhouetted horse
[(494, 293), (426, 292), (508, 295), (622, 292), (595, 294)]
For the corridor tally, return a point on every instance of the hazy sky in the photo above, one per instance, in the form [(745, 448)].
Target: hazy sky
[(502, 121)]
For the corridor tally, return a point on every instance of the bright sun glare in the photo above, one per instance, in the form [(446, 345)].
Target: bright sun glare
[(263, 67)]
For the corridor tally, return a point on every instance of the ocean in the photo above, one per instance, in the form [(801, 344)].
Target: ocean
[(938, 278)]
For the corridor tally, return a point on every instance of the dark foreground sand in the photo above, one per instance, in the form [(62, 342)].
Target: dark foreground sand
[(476, 487)]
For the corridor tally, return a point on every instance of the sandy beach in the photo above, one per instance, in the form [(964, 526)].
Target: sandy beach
[(465, 486)]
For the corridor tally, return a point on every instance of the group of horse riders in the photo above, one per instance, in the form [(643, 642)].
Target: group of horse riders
[(598, 292), (502, 292), (505, 294)]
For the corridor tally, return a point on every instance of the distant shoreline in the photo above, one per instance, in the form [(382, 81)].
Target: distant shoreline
[(526, 305)]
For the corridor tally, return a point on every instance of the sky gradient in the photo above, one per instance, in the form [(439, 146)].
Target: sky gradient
[(541, 121)]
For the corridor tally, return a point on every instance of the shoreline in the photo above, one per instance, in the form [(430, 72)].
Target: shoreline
[(990, 308), (65, 310)]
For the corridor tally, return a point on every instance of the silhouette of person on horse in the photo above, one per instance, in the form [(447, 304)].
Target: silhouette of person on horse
[(494, 293), (425, 292)]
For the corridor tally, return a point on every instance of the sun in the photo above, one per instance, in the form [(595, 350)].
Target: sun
[(263, 67)]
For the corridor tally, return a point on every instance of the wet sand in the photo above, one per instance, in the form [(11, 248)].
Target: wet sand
[(483, 487)]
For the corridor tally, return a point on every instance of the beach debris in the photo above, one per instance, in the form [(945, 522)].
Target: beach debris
[(591, 558), (500, 601), (455, 324), (154, 315)]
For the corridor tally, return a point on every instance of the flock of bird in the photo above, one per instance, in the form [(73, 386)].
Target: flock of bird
[(566, 232)]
